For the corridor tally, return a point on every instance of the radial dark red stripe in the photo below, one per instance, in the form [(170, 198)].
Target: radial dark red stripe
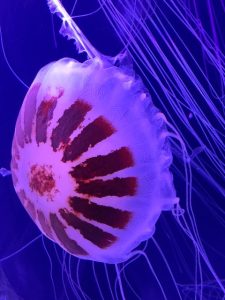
[(31, 209), (14, 178), (30, 110), (90, 232), (15, 149), (19, 131), (104, 164), (14, 164), (107, 215), (114, 187), (93, 133), (70, 121), (27, 203), (71, 245), (44, 224), (43, 117)]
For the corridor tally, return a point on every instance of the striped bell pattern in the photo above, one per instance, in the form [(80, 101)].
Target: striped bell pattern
[(90, 159)]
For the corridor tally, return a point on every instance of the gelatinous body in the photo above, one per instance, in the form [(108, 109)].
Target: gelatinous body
[(91, 159)]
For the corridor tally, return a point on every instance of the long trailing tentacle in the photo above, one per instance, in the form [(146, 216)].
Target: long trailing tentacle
[(70, 30)]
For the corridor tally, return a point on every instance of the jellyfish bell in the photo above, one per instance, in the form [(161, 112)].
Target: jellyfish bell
[(91, 159)]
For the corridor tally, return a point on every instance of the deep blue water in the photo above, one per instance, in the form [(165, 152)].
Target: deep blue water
[(31, 40)]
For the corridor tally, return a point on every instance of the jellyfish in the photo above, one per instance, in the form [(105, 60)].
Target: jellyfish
[(80, 165), (92, 156)]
